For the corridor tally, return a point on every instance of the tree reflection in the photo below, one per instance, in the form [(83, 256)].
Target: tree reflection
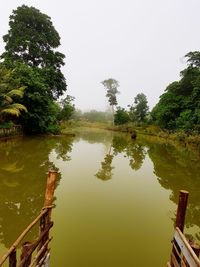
[(133, 150), (23, 171), (178, 169), (105, 173)]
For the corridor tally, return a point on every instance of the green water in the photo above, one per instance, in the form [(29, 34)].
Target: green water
[(115, 198)]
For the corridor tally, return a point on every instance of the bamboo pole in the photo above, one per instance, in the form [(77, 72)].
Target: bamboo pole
[(13, 259), (46, 219), (35, 245), (180, 221), (24, 254), (51, 184), (40, 252)]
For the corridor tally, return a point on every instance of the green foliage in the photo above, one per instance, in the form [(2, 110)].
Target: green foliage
[(6, 125), (178, 108), (10, 93), (138, 112), (111, 86), (32, 40), (30, 52), (141, 107), (121, 116), (96, 116), (67, 108)]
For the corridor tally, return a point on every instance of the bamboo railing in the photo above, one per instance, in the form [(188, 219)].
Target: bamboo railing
[(43, 240), (184, 253), (15, 130)]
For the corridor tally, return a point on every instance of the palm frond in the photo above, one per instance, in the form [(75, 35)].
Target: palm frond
[(15, 92), (6, 98), (19, 107), (11, 111)]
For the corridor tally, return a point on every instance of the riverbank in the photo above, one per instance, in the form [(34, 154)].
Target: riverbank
[(182, 138), (15, 130)]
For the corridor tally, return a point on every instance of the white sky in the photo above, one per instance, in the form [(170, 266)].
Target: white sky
[(140, 43)]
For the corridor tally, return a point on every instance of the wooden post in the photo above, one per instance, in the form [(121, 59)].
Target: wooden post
[(13, 259), (180, 221), (25, 255), (48, 201), (51, 184), (181, 210)]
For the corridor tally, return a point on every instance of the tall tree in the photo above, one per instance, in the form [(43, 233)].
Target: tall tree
[(32, 39), (30, 50), (111, 86), (139, 110)]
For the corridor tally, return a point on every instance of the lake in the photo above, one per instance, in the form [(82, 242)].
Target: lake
[(116, 198)]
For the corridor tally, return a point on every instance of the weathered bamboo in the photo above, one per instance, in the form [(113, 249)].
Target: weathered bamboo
[(40, 252), (181, 210), (35, 245), (21, 237), (44, 260), (180, 221), (195, 247), (49, 196), (24, 255), (13, 259), (186, 249), (51, 184)]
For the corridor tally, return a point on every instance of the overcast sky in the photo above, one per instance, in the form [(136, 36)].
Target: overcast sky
[(140, 43)]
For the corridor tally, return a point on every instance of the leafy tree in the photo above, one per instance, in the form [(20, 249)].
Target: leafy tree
[(96, 116), (32, 39), (178, 107), (67, 108), (121, 116), (168, 108), (10, 92), (30, 50), (42, 114), (139, 110), (111, 86)]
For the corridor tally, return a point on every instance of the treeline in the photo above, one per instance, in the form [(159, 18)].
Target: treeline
[(32, 84), (179, 106)]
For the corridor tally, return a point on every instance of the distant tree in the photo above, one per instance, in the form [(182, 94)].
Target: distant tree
[(111, 86), (121, 116), (77, 114), (139, 110), (67, 108)]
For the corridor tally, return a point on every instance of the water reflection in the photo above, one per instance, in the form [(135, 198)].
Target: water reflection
[(24, 164), (105, 173), (179, 168), (134, 151), (23, 167), (176, 168)]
